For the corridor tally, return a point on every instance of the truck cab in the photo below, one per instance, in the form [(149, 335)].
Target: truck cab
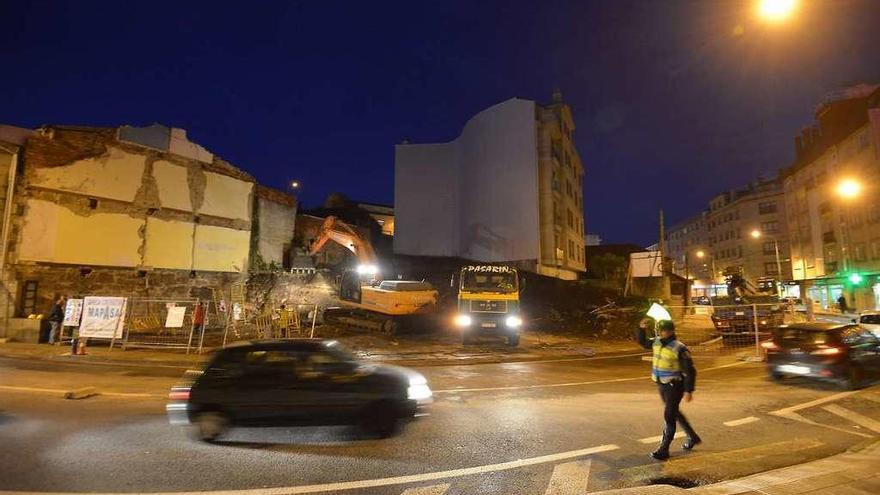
[(488, 302)]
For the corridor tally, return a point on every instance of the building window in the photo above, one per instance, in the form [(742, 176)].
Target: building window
[(771, 269), (769, 247), (770, 227), (570, 219), (859, 251), (29, 298), (767, 207), (570, 248), (875, 249)]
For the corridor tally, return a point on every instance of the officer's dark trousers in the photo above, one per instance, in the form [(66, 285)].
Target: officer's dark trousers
[(672, 393)]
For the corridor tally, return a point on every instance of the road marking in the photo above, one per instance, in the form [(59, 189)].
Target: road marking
[(570, 478), (570, 384), (34, 389), (740, 422), (831, 398), (373, 483), (427, 490), (678, 434), (871, 424)]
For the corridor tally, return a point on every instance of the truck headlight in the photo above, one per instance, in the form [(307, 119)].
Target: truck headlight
[(462, 320), (513, 321)]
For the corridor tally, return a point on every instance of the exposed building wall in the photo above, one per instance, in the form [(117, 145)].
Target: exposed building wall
[(275, 226), (475, 197)]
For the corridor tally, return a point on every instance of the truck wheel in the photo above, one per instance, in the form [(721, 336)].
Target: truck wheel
[(513, 340)]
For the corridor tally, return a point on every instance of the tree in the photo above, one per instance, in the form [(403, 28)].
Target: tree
[(608, 266)]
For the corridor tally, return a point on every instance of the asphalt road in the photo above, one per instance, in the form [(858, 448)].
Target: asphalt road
[(532, 428)]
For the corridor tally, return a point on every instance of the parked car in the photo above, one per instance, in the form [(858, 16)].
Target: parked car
[(831, 351), (870, 320), (702, 300), (295, 382)]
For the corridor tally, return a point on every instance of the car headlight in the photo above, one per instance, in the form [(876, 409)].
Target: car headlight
[(463, 320), (418, 389), (513, 321)]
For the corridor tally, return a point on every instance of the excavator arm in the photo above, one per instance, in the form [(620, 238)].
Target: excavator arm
[(334, 229)]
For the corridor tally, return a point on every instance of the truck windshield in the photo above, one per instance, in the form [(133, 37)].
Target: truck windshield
[(488, 282)]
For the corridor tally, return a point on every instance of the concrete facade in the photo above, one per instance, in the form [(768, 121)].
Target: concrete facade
[(274, 227), (508, 189), (833, 237)]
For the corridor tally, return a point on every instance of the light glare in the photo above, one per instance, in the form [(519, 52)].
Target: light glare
[(776, 10)]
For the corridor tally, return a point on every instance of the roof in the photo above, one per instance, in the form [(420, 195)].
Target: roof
[(817, 327)]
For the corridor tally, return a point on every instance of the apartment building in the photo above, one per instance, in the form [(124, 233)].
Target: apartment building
[(508, 189), (832, 203)]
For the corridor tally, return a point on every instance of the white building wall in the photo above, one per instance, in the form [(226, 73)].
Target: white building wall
[(475, 197)]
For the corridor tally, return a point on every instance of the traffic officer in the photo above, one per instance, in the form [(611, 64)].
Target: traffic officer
[(673, 371)]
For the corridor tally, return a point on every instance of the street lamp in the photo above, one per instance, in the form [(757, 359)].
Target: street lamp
[(776, 10), (702, 254), (756, 234), (294, 184), (849, 188)]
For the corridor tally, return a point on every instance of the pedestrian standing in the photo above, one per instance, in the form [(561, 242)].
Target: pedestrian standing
[(674, 373), (199, 317), (841, 302), (56, 317)]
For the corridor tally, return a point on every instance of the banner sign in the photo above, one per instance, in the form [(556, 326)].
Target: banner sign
[(174, 319), (103, 317), (73, 312)]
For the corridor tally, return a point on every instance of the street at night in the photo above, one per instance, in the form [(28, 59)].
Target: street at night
[(519, 247), (494, 428)]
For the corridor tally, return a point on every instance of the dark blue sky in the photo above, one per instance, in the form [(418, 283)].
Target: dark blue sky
[(674, 101)]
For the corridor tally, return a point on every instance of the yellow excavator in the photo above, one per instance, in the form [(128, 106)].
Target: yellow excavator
[(367, 301)]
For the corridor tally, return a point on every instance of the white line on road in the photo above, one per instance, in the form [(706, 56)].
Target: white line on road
[(740, 422), (427, 490), (871, 424), (812, 403), (570, 478), (361, 484), (34, 389), (570, 384), (656, 439)]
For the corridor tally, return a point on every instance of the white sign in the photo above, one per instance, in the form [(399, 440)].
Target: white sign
[(103, 317), (236, 311), (174, 319), (73, 312), (646, 264)]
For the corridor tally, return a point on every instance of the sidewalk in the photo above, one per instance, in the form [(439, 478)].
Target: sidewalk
[(410, 351), (856, 472)]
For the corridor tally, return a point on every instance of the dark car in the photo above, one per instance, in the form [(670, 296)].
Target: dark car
[(295, 382), (844, 353)]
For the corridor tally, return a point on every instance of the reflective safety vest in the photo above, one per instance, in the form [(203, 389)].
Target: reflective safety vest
[(666, 367)]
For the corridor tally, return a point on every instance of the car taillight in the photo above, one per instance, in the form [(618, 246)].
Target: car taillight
[(827, 351), (769, 345), (179, 394)]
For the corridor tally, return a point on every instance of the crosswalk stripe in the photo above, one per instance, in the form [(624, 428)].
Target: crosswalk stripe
[(740, 422), (570, 478), (427, 490), (871, 424), (679, 434)]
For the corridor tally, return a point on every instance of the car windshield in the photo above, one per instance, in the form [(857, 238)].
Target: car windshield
[(870, 319), (489, 282)]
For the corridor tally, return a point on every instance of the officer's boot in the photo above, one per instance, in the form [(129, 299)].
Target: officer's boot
[(692, 438), (662, 452)]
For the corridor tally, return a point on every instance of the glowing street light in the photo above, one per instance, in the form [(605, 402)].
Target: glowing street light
[(849, 189), (294, 184), (701, 254), (776, 10), (755, 233)]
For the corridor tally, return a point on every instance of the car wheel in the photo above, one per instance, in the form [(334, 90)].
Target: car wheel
[(210, 426), (380, 419), (513, 340), (855, 377)]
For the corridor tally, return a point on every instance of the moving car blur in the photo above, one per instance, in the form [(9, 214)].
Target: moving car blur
[(295, 382), (844, 353)]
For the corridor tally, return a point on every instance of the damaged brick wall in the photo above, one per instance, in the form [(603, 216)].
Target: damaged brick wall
[(44, 181)]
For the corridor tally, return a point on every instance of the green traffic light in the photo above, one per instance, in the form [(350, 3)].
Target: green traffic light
[(855, 278)]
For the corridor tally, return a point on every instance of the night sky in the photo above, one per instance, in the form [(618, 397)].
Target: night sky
[(674, 101)]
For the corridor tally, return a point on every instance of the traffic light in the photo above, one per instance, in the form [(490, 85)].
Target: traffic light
[(855, 278)]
